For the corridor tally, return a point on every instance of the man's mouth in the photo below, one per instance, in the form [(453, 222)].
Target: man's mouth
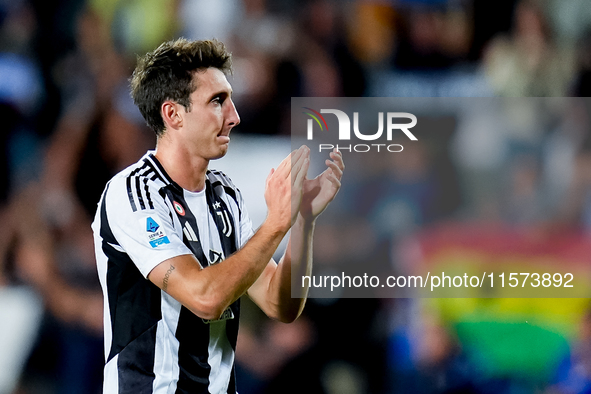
[(223, 137)]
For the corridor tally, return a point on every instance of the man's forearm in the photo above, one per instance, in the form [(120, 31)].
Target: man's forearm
[(209, 291), (296, 261), (230, 280)]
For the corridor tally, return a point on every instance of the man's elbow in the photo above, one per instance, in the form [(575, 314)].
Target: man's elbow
[(208, 308), (288, 318), (286, 315)]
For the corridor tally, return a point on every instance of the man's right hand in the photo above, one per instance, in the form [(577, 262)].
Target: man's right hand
[(283, 192)]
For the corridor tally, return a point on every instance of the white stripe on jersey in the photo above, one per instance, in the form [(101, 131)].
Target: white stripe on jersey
[(101, 266), (221, 357), (111, 378), (166, 358)]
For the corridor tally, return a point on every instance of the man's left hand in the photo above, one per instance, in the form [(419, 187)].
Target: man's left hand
[(320, 191)]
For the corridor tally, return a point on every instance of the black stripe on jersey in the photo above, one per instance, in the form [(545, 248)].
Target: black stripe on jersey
[(192, 333), (232, 335), (220, 215), (148, 196), (218, 178), (139, 193), (229, 246), (163, 193), (130, 194), (145, 176), (157, 173), (173, 193), (229, 191), (135, 309), (135, 364), (193, 336), (147, 169), (130, 191), (220, 174), (232, 385), (147, 189), (161, 170)]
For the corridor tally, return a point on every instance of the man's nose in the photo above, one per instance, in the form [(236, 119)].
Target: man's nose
[(232, 117)]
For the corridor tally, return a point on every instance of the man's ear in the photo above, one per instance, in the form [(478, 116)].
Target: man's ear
[(171, 115)]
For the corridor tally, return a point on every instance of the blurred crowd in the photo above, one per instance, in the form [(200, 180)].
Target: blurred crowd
[(69, 125)]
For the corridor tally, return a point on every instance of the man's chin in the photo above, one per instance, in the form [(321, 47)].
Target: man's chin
[(221, 153)]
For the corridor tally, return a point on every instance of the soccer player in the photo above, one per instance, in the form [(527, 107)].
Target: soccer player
[(175, 247)]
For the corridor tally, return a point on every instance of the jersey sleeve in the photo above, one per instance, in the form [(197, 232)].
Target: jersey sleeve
[(147, 234)]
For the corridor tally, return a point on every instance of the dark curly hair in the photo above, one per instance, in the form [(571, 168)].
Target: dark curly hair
[(167, 74)]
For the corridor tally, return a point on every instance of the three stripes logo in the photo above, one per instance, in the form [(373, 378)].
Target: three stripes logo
[(190, 233)]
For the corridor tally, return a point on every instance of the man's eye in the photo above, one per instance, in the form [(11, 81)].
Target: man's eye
[(217, 100)]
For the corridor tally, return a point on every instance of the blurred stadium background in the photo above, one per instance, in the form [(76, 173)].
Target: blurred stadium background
[(68, 125)]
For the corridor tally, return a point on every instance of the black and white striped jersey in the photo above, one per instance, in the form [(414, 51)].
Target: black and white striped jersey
[(153, 344)]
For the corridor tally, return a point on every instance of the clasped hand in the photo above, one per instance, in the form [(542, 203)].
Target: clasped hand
[(290, 193)]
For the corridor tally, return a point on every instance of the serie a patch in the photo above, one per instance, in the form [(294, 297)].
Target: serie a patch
[(156, 235)]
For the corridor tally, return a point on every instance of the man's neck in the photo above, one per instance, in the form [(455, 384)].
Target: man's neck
[(187, 170)]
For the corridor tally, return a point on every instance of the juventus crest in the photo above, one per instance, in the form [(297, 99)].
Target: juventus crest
[(223, 215)]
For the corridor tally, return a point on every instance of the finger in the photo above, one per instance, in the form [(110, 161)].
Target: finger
[(269, 176), (285, 162), (335, 168), (299, 158), (337, 156), (288, 163), (283, 170), (302, 152), (334, 180), (293, 155), (301, 174)]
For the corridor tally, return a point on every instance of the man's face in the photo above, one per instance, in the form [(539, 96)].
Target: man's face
[(212, 115)]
